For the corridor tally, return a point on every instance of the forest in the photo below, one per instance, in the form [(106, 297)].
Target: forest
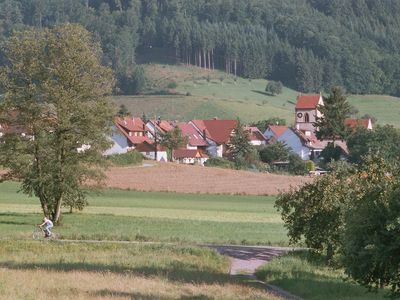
[(308, 45)]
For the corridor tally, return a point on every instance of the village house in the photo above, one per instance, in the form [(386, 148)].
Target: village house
[(217, 133), (190, 156), (273, 133), (256, 138)]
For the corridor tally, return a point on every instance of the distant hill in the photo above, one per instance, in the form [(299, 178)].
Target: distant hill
[(206, 94), (309, 45)]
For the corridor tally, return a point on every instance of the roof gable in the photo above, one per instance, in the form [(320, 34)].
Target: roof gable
[(216, 130), (131, 123), (195, 138), (278, 130), (308, 101), (354, 123)]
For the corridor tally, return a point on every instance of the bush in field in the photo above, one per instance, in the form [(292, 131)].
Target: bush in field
[(219, 162), (274, 152), (128, 158), (355, 213), (314, 211), (371, 239)]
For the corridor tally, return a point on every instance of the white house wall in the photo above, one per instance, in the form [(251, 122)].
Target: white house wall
[(293, 141), (120, 143)]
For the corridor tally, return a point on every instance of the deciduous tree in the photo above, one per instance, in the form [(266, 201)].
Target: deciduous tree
[(56, 93)]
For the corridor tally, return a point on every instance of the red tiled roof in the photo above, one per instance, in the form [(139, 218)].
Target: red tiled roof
[(278, 130), (188, 153), (131, 123), (139, 139), (216, 130), (255, 134), (163, 125), (195, 139), (146, 147), (353, 123), (307, 101)]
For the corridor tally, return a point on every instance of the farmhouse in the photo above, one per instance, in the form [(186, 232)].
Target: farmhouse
[(255, 136), (273, 133), (190, 156), (217, 133)]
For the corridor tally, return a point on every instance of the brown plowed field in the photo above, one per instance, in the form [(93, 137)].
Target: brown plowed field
[(196, 179)]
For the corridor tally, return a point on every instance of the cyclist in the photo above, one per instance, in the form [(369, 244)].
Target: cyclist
[(48, 225)]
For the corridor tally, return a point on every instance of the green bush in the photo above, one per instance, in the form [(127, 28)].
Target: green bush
[(129, 158), (310, 165), (172, 85), (219, 162)]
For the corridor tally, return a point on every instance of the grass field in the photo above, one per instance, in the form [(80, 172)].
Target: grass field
[(129, 215), (307, 276), (57, 270), (217, 94)]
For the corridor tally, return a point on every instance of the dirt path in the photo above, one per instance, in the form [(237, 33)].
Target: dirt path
[(246, 259)]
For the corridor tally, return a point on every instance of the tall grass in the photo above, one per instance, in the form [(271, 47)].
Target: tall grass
[(55, 270), (306, 275)]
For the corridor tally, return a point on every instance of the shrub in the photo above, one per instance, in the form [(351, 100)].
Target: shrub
[(310, 165), (129, 158), (219, 162), (172, 85)]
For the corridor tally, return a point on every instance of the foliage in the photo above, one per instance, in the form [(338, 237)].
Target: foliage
[(129, 158), (331, 153), (315, 211), (371, 251), (379, 140), (239, 148), (173, 140), (262, 125), (219, 162), (123, 111), (132, 83), (274, 152), (297, 166), (274, 87), (334, 111), (56, 91), (310, 165), (308, 45)]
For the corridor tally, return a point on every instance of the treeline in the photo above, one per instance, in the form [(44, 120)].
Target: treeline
[(308, 45)]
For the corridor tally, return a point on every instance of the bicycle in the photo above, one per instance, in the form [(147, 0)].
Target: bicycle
[(40, 233)]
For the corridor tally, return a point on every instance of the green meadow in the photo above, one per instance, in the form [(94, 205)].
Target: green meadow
[(203, 94), (167, 217)]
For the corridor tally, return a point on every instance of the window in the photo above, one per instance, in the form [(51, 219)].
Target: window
[(306, 118)]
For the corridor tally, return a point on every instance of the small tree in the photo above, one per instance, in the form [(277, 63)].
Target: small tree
[(335, 110), (315, 212), (274, 87), (57, 88), (123, 111), (239, 147), (274, 152), (173, 140)]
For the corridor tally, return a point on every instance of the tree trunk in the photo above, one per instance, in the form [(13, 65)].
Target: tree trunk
[(204, 59), (234, 66), (57, 212), (199, 53), (212, 54)]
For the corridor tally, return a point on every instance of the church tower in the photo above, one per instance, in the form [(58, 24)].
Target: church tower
[(306, 112)]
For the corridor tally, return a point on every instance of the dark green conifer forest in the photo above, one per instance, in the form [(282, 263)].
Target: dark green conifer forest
[(308, 45)]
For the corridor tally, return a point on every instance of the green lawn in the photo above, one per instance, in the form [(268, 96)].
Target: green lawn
[(307, 276), (217, 94), (129, 215)]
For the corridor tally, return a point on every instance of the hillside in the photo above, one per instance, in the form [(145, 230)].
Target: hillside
[(217, 94), (309, 45)]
